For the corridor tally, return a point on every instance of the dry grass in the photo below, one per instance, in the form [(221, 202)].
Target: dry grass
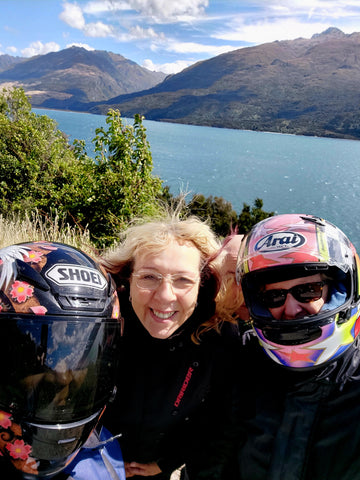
[(18, 229)]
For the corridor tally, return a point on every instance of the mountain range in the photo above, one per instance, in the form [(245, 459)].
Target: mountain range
[(71, 78), (302, 86)]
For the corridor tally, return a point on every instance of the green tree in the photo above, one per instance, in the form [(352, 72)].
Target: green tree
[(218, 211), (125, 186), (40, 170), (223, 218), (248, 217)]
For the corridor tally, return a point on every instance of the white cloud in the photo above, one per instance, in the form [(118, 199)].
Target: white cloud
[(72, 15), (167, 10), (12, 50), (168, 68), (270, 20), (191, 47), (39, 48), (82, 45), (97, 7), (269, 31), (138, 32), (98, 29), (158, 10)]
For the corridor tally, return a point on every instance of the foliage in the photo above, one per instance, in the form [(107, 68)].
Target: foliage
[(40, 170), (219, 212), (36, 162), (223, 218), (250, 216), (125, 187)]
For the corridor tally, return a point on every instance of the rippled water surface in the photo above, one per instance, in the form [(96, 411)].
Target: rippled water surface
[(290, 173)]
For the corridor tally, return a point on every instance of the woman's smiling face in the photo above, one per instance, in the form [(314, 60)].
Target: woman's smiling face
[(164, 308)]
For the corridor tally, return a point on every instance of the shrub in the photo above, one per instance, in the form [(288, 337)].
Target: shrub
[(40, 170)]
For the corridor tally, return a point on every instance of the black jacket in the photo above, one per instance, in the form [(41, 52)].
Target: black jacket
[(307, 424), (171, 392)]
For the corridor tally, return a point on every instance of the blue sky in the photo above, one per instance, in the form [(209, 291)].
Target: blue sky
[(165, 35)]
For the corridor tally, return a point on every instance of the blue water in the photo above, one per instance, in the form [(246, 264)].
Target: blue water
[(290, 173)]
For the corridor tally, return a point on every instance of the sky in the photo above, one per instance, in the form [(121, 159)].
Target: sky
[(165, 35)]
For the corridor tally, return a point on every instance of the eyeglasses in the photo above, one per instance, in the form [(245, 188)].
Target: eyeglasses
[(303, 293), (152, 280)]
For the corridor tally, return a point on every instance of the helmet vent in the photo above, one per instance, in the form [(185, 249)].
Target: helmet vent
[(313, 219), (81, 303)]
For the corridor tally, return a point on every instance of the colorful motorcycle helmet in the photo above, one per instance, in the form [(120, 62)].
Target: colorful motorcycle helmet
[(59, 331), (285, 247)]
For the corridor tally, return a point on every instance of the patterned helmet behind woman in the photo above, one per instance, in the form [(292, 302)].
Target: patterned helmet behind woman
[(288, 246), (59, 333)]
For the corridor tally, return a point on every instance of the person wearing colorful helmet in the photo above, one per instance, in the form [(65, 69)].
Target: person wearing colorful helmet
[(60, 334), (300, 279)]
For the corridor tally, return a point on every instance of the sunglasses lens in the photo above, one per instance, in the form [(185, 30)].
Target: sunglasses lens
[(309, 292), (273, 298)]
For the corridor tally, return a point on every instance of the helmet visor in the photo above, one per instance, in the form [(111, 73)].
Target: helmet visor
[(61, 369), (270, 292)]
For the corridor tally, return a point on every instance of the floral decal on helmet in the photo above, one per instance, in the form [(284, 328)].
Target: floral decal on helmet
[(21, 291), (33, 257), (19, 449), (13, 447), (20, 295)]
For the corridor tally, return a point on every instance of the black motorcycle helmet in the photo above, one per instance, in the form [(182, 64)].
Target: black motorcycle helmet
[(59, 332)]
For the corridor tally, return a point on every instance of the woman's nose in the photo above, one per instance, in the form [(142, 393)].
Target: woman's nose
[(165, 289)]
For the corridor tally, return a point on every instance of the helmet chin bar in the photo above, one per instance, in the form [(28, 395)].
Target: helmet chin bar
[(54, 446), (66, 426), (308, 343)]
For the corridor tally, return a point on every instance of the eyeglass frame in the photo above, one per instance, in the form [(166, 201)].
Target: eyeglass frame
[(167, 277)]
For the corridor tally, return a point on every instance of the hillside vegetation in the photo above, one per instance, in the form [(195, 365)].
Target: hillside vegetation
[(303, 86), (75, 76)]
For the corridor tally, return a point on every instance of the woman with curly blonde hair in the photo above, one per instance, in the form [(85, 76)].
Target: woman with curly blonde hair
[(173, 376)]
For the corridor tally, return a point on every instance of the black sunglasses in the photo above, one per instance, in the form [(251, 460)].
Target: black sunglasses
[(303, 293)]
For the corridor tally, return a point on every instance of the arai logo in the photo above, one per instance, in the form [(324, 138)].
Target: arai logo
[(280, 241), (76, 275)]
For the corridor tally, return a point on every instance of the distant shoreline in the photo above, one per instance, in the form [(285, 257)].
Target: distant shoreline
[(329, 137)]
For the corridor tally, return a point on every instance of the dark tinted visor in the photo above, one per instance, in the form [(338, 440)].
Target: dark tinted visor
[(59, 369)]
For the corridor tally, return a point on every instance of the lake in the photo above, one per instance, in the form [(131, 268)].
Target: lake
[(292, 174)]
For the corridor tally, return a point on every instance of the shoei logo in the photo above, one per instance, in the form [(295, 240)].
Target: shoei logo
[(75, 275), (280, 241)]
